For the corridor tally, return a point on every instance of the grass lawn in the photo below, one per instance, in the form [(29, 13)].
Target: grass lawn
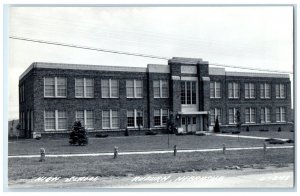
[(26, 168), (131, 143)]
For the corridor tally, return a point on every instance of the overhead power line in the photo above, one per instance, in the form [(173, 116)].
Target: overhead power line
[(135, 54)]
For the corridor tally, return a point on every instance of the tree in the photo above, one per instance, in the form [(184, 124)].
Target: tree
[(78, 134), (217, 126)]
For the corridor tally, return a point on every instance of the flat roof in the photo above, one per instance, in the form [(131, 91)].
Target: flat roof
[(152, 68)]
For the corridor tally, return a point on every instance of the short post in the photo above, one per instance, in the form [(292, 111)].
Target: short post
[(175, 150), (43, 152), (115, 152), (265, 148), (224, 148)]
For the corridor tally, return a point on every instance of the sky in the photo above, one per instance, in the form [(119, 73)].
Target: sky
[(257, 37)]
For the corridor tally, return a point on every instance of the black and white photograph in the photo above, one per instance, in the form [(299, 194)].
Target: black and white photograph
[(150, 97)]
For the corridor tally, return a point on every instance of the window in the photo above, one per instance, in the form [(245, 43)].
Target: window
[(55, 120), (135, 118), (214, 114), (265, 91), (265, 115), (110, 88), (86, 117), (55, 87), (280, 114), (161, 89), (232, 115), (161, 117), (280, 91), (250, 115), (134, 88), (233, 90), (215, 90), (188, 92), (22, 93), (84, 88), (110, 119), (249, 90)]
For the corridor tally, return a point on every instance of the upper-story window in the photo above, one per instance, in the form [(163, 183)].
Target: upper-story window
[(55, 87), (280, 114), (134, 88), (249, 90), (109, 88), (188, 92), (215, 90), (161, 88), (280, 91), (233, 90), (265, 91), (250, 115), (84, 88)]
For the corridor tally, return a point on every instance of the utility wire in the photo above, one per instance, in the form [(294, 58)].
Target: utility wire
[(134, 54)]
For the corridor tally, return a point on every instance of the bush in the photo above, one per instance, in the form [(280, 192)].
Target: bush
[(78, 134), (217, 126), (264, 130), (126, 132), (279, 129), (235, 132), (181, 133), (276, 141), (190, 133), (225, 131), (150, 133), (247, 129), (101, 135), (200, 134), (289, 141)]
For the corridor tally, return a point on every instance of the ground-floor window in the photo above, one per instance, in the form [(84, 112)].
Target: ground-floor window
[(265, 115), (110, 119), (232, 115), (280, 114), (250, 115), (55, 120), (135, 118), (86, 117), (161, 117), (214, 114)]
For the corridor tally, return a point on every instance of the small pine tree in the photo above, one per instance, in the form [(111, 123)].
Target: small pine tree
[(78, 134), (217, 126), (126, 132), (238, 120)]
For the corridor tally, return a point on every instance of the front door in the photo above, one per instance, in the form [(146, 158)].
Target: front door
[(189, 123)]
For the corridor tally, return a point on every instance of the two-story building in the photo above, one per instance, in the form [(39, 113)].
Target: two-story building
[(186, 91)]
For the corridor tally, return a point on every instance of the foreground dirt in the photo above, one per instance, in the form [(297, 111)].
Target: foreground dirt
[(257, 176)]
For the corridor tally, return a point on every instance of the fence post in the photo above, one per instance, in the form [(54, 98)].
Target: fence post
[(115, 152), (175, 150), (265, 148), (43, 154), (224, 149)]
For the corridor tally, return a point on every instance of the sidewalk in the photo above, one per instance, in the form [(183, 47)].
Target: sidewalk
[(148, 152)]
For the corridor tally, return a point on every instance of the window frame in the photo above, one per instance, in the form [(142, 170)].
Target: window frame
[(85, 118), (161, 89), (213, 86), (55, 87), (110, 119), (110, 89), (56, 120), (85, 88), (161, 117), (249, 88), (235, 90), (252, 111), (135, 89), (135, 118)]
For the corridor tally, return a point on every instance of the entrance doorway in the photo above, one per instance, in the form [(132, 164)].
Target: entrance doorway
[(189, 123)]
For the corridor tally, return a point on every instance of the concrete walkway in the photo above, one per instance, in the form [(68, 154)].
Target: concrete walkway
[(148, 152), (248, 137)]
